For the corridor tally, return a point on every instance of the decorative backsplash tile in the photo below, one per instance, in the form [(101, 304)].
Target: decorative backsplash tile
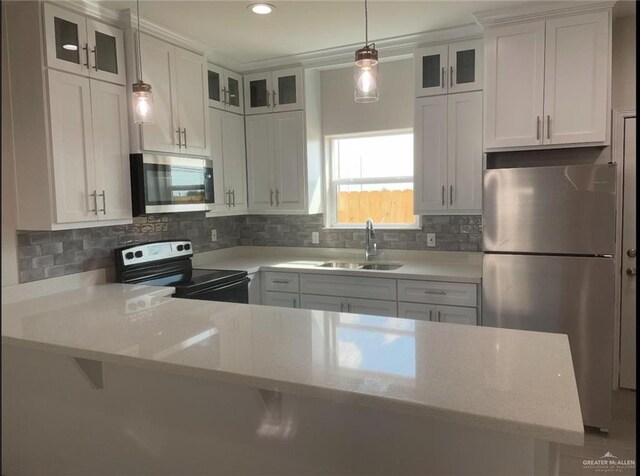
[(46, 254)]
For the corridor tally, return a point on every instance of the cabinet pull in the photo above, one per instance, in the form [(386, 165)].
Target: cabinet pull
[(439, 318), (184, 131), (104, 203), (179, 139), (443, 195), (227, 200), (95, 202), (224, 96), (537, 127), (444, 84), (86, 51), (450, 194), (451, 77), (95, 57), (233, 194), (271, 197), (440, 293), (341, 306), (274, 99), (277, 197), (430, 315), (280, 281), (268, 103), (548, 127), (348, 307), (295, 302)]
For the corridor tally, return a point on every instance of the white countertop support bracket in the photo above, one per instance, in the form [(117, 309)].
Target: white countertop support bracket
[(91, 370)]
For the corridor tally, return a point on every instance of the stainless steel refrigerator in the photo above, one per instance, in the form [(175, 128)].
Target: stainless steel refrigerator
[(549, 239)]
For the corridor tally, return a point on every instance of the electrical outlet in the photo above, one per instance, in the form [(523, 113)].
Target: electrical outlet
[(315, 237), (214, 235), (431, 239)]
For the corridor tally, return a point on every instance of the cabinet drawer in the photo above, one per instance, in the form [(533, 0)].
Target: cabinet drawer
[(457, 315), (280, 299), (417, 311), (372, 307), (347, 286), (283, 282), (455, 294)]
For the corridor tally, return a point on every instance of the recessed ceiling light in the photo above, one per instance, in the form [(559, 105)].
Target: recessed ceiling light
[(261, 8)]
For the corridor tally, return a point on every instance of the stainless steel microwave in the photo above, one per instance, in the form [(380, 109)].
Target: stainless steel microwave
[(168, 184)]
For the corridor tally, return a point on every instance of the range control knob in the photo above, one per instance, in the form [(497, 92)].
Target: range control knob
[(179, 247), (187, 246), (129, 255), (138, 254)]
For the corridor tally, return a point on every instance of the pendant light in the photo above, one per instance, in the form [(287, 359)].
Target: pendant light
[(142, 98), (366, 69)]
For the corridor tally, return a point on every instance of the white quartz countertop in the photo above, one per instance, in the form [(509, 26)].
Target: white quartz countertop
[(498, 379), (425, 265)]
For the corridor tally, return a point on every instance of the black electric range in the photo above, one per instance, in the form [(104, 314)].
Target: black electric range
[(168, 263)]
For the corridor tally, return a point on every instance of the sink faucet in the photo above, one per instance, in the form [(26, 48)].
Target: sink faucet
[(369, 234)]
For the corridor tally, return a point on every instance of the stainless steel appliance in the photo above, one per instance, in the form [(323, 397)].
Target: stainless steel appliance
[(168, 263), (549, 237), (164, 184)]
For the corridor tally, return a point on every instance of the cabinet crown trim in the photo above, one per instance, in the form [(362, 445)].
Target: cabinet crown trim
[(538, 11)]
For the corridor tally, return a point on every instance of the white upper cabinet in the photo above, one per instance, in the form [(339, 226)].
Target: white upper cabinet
[(515, 85), (260, 162), (548, 83), (576, 81), (273, 91), (452, 68), (178, 79), (225, 89), (83, 46), (448, 154)]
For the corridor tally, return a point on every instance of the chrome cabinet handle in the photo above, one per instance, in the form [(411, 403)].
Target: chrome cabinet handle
[(341, 306), (439, 293), (295, 302), (233, 194), (450, 194), (228, 198), (184, 131), (443, 195), (224, 96), (268, 102), (548, 127), (444, 84), (179, 139), (86, 51), (451, 77), (276, 281), (95, 57), (348, 307), (631, 271), (104, 203), (537, 127), (95, 202), (271, 197), (439, 318), (631, 253), (277, 197), (430, 315), (274, 99)]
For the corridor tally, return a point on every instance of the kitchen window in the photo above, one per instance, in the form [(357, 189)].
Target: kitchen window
[(371, 176)]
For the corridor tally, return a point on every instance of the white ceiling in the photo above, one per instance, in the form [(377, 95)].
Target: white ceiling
[(304, 26)]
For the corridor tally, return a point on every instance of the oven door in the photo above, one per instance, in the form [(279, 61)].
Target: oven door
[(237, 291), (163, 184)]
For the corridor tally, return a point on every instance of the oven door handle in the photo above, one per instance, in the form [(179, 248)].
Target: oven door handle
[(240, 282)]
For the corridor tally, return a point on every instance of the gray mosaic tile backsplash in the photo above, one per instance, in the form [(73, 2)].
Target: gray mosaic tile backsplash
[(47, 254)]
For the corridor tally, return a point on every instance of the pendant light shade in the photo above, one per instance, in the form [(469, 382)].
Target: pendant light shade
[(141, 96), (366, 68)]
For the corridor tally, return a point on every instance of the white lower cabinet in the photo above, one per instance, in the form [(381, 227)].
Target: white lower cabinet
[(323, 303), (432, 312), (374, 307), (272, 298)]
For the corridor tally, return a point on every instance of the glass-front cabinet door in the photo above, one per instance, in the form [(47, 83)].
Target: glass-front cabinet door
[(465, 66), (287, 89), (66, 40), (215, 81), (257, 93), (106, 52), (233, 92), (431, 70)]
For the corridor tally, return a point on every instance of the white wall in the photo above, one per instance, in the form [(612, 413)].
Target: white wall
[(623, 93), (394, 110), (9, 211)]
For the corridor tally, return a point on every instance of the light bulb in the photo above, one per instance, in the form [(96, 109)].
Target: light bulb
[(366, 84), (142, 104)]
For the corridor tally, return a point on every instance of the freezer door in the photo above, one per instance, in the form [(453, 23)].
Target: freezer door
[(562, 294), (564, 210)]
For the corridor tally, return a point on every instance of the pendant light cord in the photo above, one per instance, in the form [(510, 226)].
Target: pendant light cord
[(366, 25), (139, 51)]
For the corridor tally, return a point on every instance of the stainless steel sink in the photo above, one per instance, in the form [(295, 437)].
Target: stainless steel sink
[(341, 264), (381, 266), (353, 265)]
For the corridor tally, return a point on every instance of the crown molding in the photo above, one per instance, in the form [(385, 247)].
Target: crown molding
[(89, 8), (539, 10)]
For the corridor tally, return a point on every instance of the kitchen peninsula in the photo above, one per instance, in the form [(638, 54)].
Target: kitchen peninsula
[(132, 380)]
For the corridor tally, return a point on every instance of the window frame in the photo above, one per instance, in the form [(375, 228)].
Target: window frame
[(331, 185)]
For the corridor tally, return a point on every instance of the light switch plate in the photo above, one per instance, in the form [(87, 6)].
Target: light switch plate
[(431, 239), (214, 235), (315, 237)]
